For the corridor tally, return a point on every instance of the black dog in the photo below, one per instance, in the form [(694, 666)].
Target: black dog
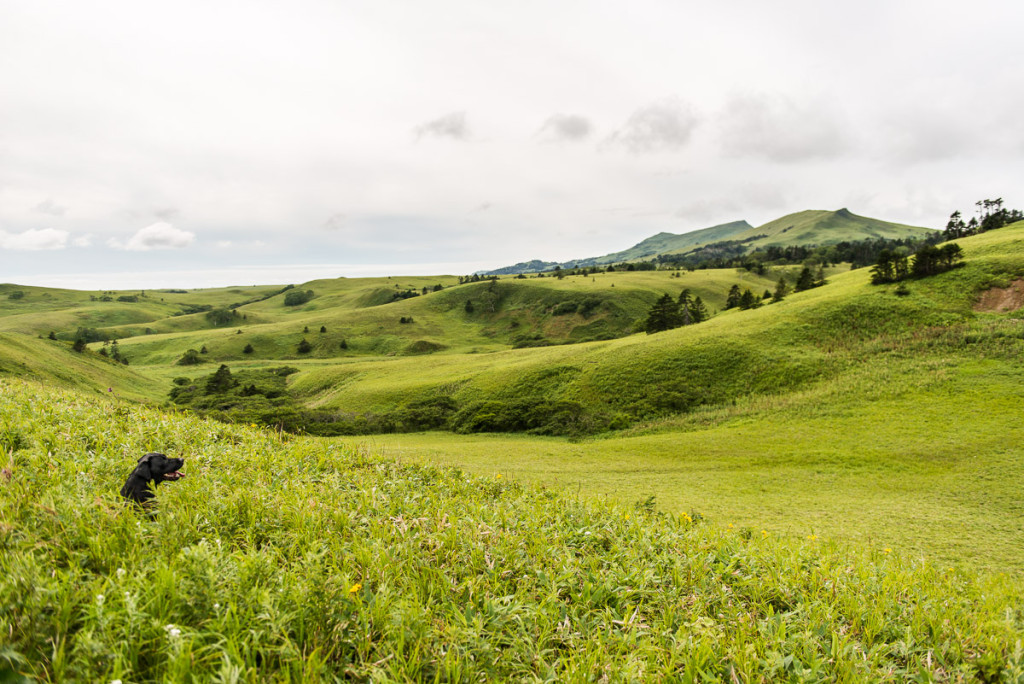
[(155, 468)]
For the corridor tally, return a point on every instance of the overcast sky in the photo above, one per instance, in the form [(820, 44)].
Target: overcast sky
[(147, 144)]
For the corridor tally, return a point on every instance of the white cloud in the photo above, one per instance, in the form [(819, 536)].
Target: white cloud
[(223, 244), (82, 241), (659, 127), (159, 235), (34, 239)]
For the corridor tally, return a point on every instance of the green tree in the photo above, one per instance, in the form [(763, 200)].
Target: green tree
[(343, 345), (323, 328), (248, 349), (79, 345), (469, 306), (781, 289), (297, 297), (805, 281), (304, 347), (732, 300), (221, 381), (699, 311), (189, 358), (749, 300), (685, 303), (664, 315)]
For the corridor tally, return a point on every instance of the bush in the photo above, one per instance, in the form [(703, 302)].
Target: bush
[(297, 297), (304, 347), (189, 358)]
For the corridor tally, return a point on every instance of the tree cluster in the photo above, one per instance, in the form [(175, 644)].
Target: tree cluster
[(991, 215), (297, 297), (928, 260), (668, 313)]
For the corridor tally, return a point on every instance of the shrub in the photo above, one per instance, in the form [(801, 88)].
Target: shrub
[(304, 347), (297, 297), (189, 358)]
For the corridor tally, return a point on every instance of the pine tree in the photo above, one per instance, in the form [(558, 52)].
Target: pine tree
[(664, 315), (699, 311), (221, 381), (805, 281), (781, 289), (732, 300), (685, 304), (248, 349), (304, 347)]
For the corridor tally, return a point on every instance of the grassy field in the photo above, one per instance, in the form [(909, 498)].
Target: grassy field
[(300, 559)]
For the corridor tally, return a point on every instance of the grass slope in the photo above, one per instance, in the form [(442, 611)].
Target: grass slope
[(300, 560), (828, 228), (56, 363)]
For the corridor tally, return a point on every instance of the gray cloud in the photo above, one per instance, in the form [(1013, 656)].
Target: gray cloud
[(451, 125), (167, 214), (156, 236), (660, 127), (335, 222), (49, 207), (774, 127), (565, 128)]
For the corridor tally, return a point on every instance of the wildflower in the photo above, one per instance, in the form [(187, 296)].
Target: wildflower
[(172, 631), (764, 533), (730, 526), (887, 550), (355, 587), (498, 476), (115, 681), (627, 516), (120, 573), (99, 599), (216, 606), (812, 537)]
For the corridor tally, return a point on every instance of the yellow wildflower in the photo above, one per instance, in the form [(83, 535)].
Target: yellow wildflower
[(812, 537), (355, 587), (887, 550), (764, 533)]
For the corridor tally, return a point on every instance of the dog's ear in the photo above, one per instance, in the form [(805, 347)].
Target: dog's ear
[(143, 470), (149, 456)]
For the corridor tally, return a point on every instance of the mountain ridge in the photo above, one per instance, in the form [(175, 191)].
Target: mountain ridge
[(808, 227)]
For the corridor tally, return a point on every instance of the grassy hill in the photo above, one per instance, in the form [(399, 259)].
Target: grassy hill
[(827, 228), (806, 228), (306, 560)]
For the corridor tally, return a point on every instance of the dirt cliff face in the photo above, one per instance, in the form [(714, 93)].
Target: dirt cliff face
[(1002, 298)]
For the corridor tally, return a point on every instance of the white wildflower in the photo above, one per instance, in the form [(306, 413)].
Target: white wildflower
[(172, 631), (99, 599)]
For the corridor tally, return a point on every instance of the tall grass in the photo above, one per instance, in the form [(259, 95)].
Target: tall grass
[(302, 560)]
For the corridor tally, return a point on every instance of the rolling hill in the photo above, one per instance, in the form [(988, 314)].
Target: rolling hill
[(802, 228)]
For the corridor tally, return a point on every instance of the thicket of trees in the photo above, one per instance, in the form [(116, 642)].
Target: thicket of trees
[(991, 214), (893, 267), (297, 297), (668, 313)]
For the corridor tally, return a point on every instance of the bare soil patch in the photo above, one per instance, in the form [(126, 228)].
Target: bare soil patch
[(1002, 298)]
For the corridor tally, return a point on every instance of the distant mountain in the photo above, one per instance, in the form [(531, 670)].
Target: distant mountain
[(828, 228), (812, 227), (662, 243)]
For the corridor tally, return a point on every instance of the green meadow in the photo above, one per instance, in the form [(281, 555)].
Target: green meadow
[(712, 502)]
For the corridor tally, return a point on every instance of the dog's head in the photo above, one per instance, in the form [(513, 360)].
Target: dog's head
[(159, 468)]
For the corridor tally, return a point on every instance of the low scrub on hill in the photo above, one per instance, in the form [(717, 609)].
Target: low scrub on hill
[(299, 559)]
